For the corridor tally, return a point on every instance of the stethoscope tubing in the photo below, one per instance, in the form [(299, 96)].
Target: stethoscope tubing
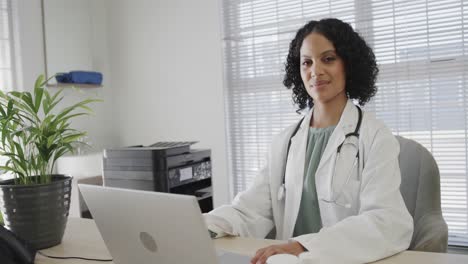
[(282, 189)]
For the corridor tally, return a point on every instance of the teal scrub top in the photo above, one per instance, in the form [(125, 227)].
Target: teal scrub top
[(308, 220)]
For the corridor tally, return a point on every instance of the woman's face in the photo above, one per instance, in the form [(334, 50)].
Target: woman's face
[(322, 71)]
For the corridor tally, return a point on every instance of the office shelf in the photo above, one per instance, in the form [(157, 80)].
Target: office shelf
[(77, 85)]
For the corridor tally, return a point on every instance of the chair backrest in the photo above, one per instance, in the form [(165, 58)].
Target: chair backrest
[(420, 188)]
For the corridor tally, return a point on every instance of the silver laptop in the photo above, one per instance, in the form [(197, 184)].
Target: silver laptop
[(152, 227)]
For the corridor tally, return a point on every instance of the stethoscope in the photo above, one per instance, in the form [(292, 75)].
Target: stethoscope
[(355, 134)]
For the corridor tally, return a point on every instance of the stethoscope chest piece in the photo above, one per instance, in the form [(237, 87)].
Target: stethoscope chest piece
[(281, 192)]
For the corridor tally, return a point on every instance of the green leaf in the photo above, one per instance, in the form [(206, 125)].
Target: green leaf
[(2, 111), (50, 141), (11, 102), (73, 137), (53, 101), (46, 102), (60, 153), (7, 168), (19, 149), (48, 121), (19, 166), (39, 81), (38, 93), (55, 96), (86, 108), (4, 134), (66, 118), (47, 81), (47, 95), (25, 97), (61, 117)]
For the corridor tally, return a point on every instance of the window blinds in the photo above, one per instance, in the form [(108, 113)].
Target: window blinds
[(256, 39), (421, 48), (6, 47)]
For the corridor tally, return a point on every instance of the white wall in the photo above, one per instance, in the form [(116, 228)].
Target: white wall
[(68, 34), (100, 125), (162, 70), (166, 64)]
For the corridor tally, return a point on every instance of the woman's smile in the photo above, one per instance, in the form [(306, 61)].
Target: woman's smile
[(319, 85)]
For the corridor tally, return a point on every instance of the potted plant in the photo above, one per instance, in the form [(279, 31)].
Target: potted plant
[(33, 135)]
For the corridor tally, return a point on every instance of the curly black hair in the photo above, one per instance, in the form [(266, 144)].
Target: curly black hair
[(359, 60)]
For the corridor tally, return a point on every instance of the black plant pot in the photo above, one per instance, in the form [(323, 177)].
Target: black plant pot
[(37, 213)]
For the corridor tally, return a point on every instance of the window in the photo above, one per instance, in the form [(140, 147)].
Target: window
[(7, 65), (6, 46), (421, 48)]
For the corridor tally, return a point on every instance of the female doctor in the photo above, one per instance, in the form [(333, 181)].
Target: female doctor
[(331, 183)]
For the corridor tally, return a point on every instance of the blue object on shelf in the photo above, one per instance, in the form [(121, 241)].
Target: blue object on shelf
[(63, 77), (80, 77)]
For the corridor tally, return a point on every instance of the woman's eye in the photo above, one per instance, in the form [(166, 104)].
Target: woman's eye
[(329, 59), (306, 63)]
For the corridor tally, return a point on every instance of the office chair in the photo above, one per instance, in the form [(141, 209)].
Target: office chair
[(420, 188)]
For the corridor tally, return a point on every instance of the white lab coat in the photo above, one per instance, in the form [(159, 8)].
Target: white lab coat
[(376, 224)]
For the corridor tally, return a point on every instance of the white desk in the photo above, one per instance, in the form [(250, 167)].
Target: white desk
[(83, 239)]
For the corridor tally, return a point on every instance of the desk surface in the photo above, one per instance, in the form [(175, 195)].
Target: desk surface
[(83, 239)]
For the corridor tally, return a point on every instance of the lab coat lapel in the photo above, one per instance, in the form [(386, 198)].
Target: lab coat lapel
[(295, 176), (325, 169), (346, 125)]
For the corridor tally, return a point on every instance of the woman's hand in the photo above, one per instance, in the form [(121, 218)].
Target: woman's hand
[(294, 248)]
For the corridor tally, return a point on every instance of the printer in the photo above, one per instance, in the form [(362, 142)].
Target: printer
[(171, 167)]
